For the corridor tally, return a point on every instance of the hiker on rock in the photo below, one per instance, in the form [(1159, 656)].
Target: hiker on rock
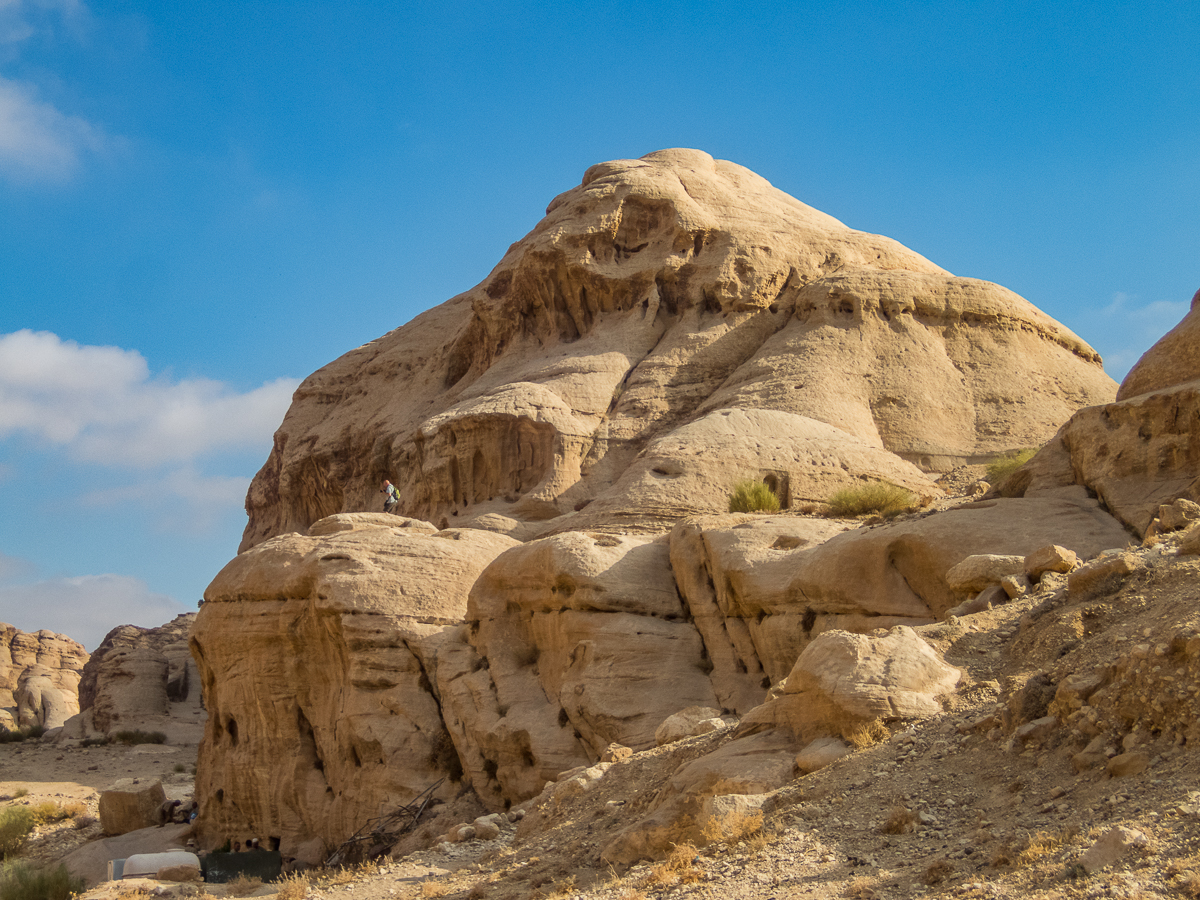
[(392, 497)]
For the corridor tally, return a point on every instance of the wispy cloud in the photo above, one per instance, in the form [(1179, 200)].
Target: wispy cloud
[(183, 500), (14, 567), (1130, 327), (101, 405), (38, 141), (86, 607)]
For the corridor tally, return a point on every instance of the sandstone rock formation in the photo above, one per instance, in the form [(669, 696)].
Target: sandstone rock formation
[(39, 677), (1142, 451), (142, 679), (574, 642), (760, 588), (673, 325), (316, 653)]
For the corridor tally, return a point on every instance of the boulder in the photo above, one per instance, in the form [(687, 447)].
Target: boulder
[(130, 805), (39, 677), (982, 570), (843, 681), (1112, 846), (820, 753), (688, 723), (1051, 558), (673, 324), (1100, 570), (318, 653), (752, 765)]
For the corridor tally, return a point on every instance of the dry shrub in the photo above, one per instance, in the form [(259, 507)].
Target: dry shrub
[(1029, 848), (733, 827), (1189, 884), (678, 868), (631, 894), (862, 888), (15, 824), (82, 822), (242, 886), (293, 886), (434, 889), (901, 820), (937, 872), (478, 892), (866, 734), (47, 811)]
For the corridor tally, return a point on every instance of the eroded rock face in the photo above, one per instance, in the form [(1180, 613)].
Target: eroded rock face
[(317, 655), (39, 677), (761, 588), (1142, 451), (574, 642), (142, 679), (594, 379)]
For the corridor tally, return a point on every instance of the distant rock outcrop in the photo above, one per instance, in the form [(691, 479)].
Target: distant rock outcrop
[(39, 677), (141, 679), (673, 325)]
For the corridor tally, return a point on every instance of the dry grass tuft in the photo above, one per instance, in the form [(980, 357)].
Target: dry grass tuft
[(733, 827), (293, 887), (866, 734), (937, 872), (242, 886), (48, 811), (434, 889), (753, 496), (901, 820), (678, 868), (878, 497), (1189, 884), (632, 894), (1029, 848)]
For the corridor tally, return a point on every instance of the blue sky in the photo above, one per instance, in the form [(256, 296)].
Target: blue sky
[(203, 202)]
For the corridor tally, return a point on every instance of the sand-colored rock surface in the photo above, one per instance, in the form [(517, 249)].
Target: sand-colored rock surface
[(601, 367), (575, 641), (316, 653), (39, 677), (1174, 358)]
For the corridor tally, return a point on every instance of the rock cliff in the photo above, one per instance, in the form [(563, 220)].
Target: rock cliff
[(666, 304), (39, 677)]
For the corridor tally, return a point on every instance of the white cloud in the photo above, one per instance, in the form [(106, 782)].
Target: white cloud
[(87, 607), (1129, 328), (37, 142), (100, 405), (183, 500)]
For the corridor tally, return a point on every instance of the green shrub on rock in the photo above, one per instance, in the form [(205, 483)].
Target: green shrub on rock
[(1004, 464), (878, 497), (15, 824), (20, 881), (753, 496)]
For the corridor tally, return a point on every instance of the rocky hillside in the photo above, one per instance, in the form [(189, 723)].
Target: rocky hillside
[(673, 324), (39, 677)]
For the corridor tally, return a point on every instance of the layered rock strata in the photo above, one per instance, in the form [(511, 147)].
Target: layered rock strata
[(668, 304), (316, 653), (39, 677)]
